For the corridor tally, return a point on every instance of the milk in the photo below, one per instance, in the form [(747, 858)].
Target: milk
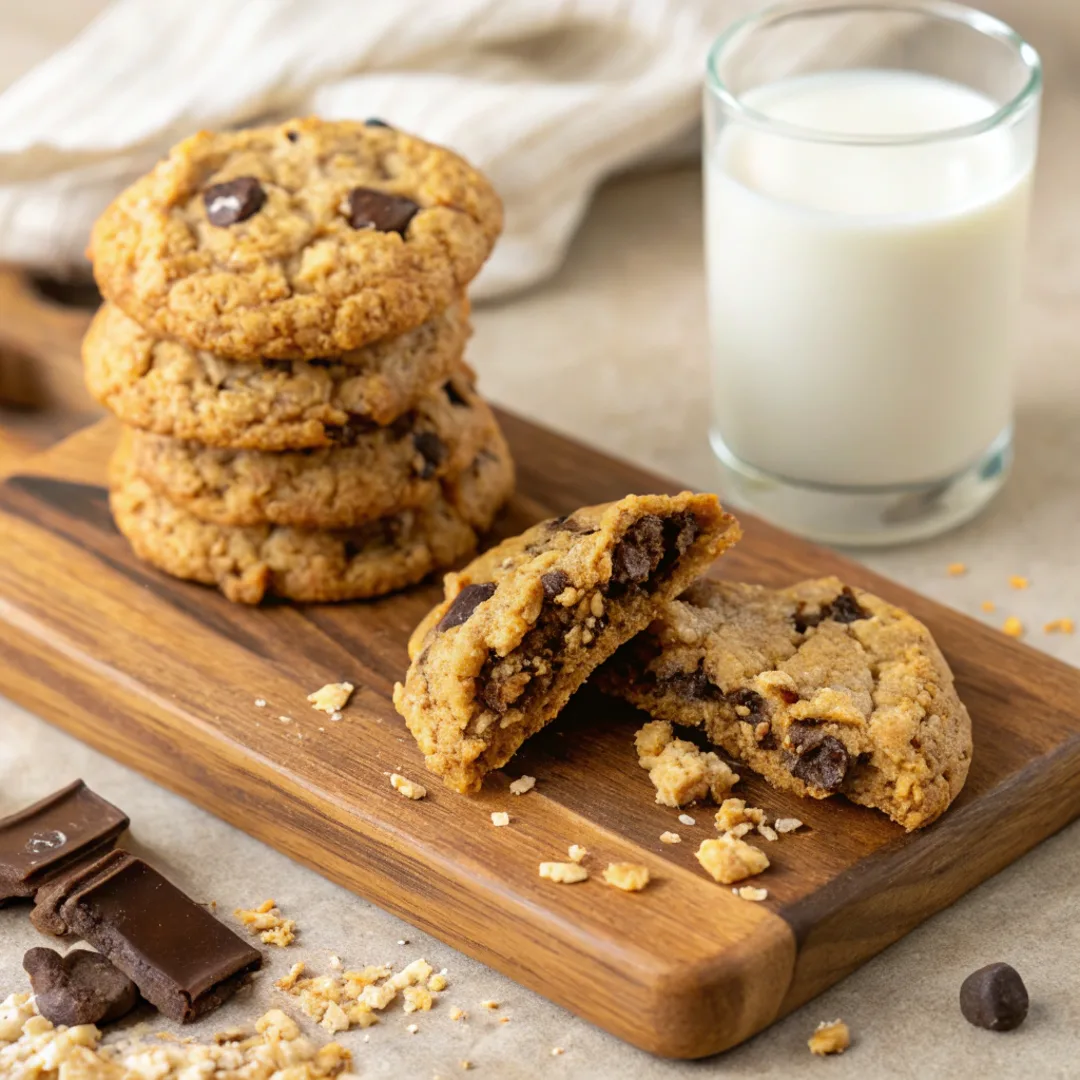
[(863, 299)]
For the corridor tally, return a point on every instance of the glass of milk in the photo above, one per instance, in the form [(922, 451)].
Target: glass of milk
[(868, 173)]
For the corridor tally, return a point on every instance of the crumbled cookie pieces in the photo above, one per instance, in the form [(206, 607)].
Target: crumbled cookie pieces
[(500, 818), (680, 772), (831, 1037), (670, 838), (331, 698), (563, 873), (728, 859), (630, 877), (522, 784), (576, 852), (267, 921), (409, 788)]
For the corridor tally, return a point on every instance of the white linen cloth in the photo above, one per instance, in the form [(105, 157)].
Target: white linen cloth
[(548, 97)]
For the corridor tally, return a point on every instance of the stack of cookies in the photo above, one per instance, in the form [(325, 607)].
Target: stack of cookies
[(283, 337)]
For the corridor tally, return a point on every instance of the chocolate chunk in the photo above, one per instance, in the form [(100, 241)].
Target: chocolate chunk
[(748, 699), (845, 608), (680, 531), (789, 697), (804, 620), (233, 201), (693, 685), (292, 136), (554, 582), (69, 827), (995, 998), (820, 760), (278, 365), (465, 603), (433, 451), (374, 121), (180, 957), (638, 553), (451, 391), (347, 434), (80, 988), (371, 209)]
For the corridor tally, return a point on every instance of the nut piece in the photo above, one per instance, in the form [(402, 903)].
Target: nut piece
[(409, 788), (331, 697), (750, 892), (630, 877), (523, 784), (670, 838), (787, 824), (680, 772), (831, 1037), (565, 873), (266, 921), (728, 859)]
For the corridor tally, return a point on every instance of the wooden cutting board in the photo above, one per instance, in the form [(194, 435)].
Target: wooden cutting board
[(163, 676)]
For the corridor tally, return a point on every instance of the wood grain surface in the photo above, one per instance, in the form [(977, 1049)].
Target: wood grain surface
[(163, 676)]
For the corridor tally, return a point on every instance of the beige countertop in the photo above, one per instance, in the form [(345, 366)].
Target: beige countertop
[(613, 351)]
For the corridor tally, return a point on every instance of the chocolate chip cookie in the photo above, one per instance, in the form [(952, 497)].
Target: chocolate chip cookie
[(820, 688), (249, 563), (161, 385), (379, 472), (523, 625), (302, 240)]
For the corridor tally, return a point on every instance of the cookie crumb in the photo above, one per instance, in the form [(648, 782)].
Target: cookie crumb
[(728, 859), (956, 569), (735, 812), (557, 1051), (489, 1004), (751, 892), (564, 873), (831, 1037), (417, 999), (576, 852), (630, 877), (680, 772), (522, 784), (504, 1019), (335, 963), (1018, 582), (500, 818), (335, 716), (988, 606), (412, 1029), (466, 1065), (409, 788), (437, 982), (332, 697), (1013, 627), (457, 1013), (670, 838), (266, 921), (260, 703), (767, 831), (1059, 626), (787, 824)]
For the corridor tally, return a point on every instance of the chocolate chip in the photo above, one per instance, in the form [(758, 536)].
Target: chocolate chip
[(347, 434), (820, 760), (995, 998), (433, 451), (292, 136), (465, 603), (233, 201), (748, 699), (680, 531), (277, 365), (638, 553), (554, 581), (693, 685), (80, 988), (845, 608), (804, 620), (451, 391), (371, 209), (374, 121)]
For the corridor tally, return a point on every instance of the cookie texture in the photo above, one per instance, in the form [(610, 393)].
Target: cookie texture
[(523, 625), (301, 240), (820, 688), (384, 470), (161, 385), (250, 563)]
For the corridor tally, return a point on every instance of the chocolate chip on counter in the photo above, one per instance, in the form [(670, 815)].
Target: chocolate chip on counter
[(638, 553), (432, 450), (371, 209), (845, 608), (465, 603), (995, 998), (80, 988), (233, 201), (374, 121), (820, 760), (451, 391), (554, 582)]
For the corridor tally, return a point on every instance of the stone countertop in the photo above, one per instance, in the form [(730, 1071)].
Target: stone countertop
[(613, 351)]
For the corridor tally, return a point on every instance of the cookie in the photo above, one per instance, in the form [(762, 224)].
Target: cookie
[(384, 470), (302, 240), (820, 688), (249, 563), (163, 386), (522, 626)]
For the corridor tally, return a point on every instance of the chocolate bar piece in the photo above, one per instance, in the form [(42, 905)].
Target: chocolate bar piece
[(72, 826), (179, 956)]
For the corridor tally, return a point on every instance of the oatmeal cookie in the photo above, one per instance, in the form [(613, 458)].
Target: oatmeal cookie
[(301, 240), (161, 385), (248, 563), (820, 688), (525, 623), (384, 470)]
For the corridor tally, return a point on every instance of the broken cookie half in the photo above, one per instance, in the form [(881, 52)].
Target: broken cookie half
[(819, 688), (524, 625)]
